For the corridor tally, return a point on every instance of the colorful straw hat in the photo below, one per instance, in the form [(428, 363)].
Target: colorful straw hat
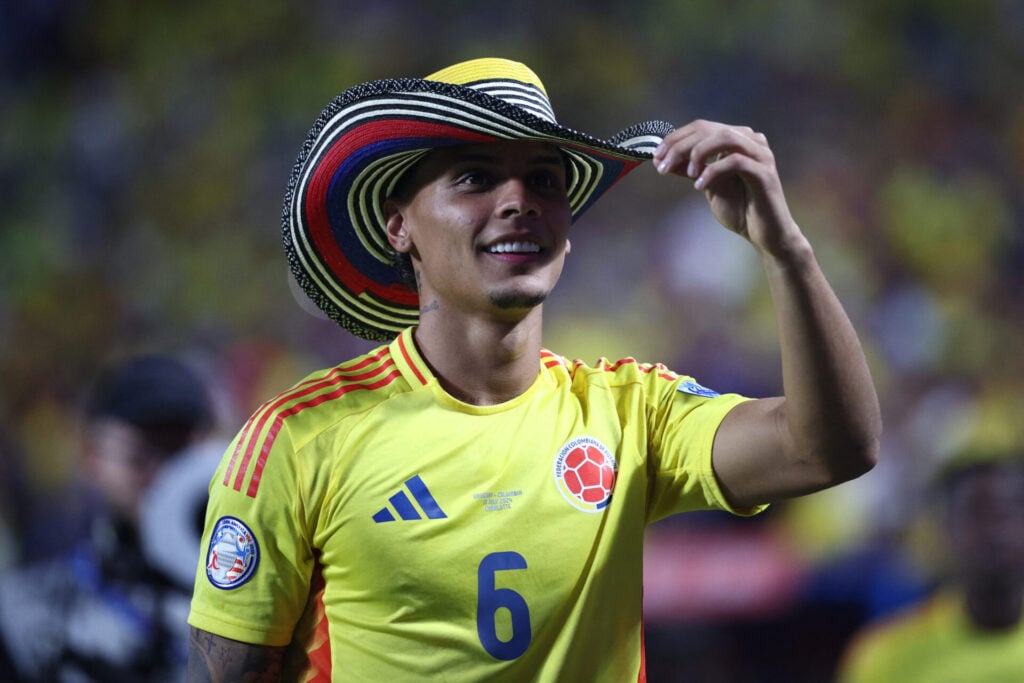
[(369, 135)]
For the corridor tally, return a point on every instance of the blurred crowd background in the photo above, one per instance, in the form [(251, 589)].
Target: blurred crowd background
[(146, 148)]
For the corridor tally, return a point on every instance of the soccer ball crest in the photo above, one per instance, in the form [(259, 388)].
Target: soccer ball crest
[(585, 472)]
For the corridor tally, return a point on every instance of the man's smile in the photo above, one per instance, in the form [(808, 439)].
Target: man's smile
[(515, 247)]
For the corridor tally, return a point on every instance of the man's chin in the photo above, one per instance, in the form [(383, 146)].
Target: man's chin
[(517, 300)]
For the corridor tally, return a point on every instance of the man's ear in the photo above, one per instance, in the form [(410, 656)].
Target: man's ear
[(395, 228)]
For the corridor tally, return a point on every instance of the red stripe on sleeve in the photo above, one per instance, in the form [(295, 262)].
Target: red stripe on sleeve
[(256, 423), (275, 427)]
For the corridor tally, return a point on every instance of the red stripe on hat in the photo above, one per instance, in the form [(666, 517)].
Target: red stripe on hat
[(315, 203)]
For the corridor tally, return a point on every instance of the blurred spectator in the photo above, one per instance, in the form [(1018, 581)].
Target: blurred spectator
[(104, 611), (971, 628)]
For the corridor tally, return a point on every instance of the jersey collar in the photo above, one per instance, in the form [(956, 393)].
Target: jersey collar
[(408, 359)]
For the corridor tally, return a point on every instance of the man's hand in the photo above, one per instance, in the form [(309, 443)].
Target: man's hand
[(735, 168)]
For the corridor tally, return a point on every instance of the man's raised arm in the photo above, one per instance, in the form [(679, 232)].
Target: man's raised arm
[(826, 428)]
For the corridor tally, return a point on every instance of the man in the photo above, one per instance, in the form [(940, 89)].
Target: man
[(462, 503), (972, 628), (105, 611)]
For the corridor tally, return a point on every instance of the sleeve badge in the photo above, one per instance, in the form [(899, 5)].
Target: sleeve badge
[(233, 555)]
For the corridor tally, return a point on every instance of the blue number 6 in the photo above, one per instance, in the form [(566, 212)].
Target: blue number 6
[(491, 599)]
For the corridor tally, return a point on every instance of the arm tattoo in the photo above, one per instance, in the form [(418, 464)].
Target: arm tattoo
[(213, 659)]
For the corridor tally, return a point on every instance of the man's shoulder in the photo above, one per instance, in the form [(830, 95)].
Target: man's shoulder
[(604, 370), (347, 387), (900, 636)]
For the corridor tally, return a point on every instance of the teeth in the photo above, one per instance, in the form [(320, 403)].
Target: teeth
[(515, 248)]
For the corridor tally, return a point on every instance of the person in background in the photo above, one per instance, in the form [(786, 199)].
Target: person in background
[(971, 628), (103, 611)]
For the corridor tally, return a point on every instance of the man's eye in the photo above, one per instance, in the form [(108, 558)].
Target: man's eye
[(474, 178)]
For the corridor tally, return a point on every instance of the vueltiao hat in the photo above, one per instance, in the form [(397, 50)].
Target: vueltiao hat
[(369, 135)]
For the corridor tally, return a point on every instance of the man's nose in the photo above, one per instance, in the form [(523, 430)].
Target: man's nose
[(516, 199)]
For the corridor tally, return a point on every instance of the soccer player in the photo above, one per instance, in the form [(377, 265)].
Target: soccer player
[(462, 503), (972, 627)]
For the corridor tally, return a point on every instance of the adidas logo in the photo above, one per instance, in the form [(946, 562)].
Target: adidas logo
[(405, 508)]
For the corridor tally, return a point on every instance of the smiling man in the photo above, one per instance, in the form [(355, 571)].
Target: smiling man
[(447, 219), (462, 503), (487, 227)]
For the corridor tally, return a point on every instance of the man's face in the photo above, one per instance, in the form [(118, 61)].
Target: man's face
[(486, 225), (120, 464), (986, 525)]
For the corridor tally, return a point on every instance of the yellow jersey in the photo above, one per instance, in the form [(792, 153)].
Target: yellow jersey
[(386, 531), (934, 642)]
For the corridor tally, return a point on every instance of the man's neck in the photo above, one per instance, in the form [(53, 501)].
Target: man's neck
[(482, 362)]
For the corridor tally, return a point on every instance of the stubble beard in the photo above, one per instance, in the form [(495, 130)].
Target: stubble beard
[(512, 300)]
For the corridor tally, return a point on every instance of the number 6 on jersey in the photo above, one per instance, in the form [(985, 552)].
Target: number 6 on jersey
[(491, 599)]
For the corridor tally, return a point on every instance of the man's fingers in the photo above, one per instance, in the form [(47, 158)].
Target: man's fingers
[(690, 149)]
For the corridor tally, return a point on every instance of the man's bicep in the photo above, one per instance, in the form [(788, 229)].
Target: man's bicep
[(753, 456), (213, 658)]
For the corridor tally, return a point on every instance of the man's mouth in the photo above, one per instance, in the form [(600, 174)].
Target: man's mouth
[(517, 247)]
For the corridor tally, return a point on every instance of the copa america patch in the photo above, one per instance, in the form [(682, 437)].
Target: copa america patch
[(695, 389), (585, 473), (233, 554)]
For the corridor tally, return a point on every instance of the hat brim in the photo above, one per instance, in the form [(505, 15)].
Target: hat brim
[(361, 144)]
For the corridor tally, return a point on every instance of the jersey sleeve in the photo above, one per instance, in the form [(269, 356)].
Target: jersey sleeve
[(256, 561), (683, 418)]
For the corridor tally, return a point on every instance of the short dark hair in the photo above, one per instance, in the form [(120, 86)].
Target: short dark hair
[(406, 273), (159, 395), (404, 189)]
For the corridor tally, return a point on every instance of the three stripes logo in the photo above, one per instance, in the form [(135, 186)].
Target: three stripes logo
[(406, 509)]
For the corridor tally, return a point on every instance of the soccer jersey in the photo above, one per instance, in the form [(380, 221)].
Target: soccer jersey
[(935, 642), (387, 531)]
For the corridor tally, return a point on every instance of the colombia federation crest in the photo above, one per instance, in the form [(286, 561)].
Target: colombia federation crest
[(233, 554), (585, 472)]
